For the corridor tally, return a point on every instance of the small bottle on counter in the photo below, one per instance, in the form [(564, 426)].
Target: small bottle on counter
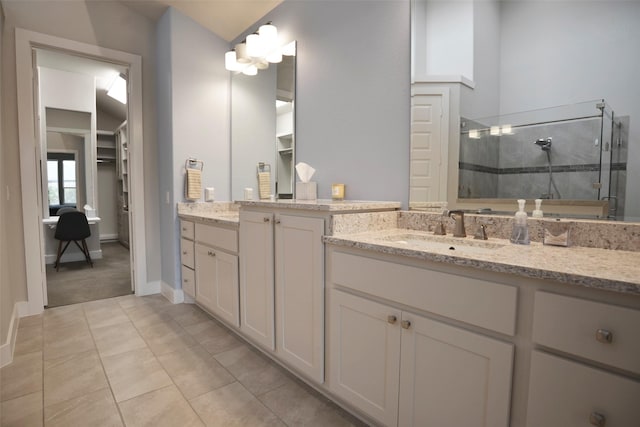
[(537, 212), (520, 233)]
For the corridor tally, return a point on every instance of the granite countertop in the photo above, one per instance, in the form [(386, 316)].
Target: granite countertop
[(323, 205), (223, 218), (613, 270)]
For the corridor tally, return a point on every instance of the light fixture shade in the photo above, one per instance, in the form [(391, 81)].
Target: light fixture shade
[(255, 46), (275, 56), (261, 65), (118, 89), (241, 53), (250, 70), (506, 130), (494, 130), (269, 33), (230, 62), (474, 134)]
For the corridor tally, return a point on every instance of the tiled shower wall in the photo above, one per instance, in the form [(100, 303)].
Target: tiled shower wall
[(512, 166)]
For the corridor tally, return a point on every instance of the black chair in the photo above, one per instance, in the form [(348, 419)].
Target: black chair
[(73, 227)]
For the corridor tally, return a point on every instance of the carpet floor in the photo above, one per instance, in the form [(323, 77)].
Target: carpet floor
[(77, 282)]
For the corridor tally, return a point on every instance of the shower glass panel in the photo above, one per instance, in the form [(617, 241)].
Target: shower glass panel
[(571, 152)]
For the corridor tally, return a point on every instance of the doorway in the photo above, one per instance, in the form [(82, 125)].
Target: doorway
[(35, 203)]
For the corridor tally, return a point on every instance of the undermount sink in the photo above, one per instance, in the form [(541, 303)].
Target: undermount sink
[(444, 243)]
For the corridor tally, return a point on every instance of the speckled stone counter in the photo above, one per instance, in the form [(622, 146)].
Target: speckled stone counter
[(223, 213), (595, 267), (324, 205)]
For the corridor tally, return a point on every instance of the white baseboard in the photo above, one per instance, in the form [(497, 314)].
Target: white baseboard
[(175, 296), (7, 348), (109, 237), (150, 288), (72, 256)]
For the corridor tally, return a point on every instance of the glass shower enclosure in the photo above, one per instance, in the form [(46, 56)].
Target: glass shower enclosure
[(569, 152)]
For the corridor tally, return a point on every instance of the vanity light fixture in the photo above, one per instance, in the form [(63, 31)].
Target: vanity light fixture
[(118, 89), (256, 52), (506, 130), (494, 130), (474, 134)]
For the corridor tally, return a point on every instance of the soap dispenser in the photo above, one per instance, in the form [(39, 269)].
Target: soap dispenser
[(520, 233), (537, 212)]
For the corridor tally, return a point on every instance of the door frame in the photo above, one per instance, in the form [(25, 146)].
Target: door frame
[(29, 169)]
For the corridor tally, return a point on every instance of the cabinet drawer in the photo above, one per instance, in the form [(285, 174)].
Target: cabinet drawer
[(564, 393), (188, 281), (186, 253), (477, 302), (186, 229), (581, 327), (223, 238)]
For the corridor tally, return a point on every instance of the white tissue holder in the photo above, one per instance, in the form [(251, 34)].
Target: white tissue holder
[(306, 190)]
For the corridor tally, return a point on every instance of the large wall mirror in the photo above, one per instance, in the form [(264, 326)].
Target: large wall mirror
[(547, 106), (263, 130)]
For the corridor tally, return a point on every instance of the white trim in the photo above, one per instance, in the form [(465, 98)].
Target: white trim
[(72, 256), (175, 296), (31, 211), (7, 349), (445, 79), (108, 237), (150, 288)]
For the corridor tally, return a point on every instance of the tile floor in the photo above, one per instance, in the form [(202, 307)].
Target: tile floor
[(141, 361)]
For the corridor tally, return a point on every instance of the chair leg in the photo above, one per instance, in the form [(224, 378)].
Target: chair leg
[(87, 255), (61, 253)]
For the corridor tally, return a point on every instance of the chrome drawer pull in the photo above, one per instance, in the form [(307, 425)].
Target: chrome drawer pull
[(597, 419), (267, 219), (392, 319), (405, 324), (211, 253), (604, 336), (184, 252)]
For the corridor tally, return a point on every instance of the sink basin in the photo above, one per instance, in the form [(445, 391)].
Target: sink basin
[(444, 243)]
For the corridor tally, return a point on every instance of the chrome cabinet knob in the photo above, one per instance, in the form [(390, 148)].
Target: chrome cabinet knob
[(392, 319), (211, 253), (267, 219), (405, 324), (277, 221), (604, 336), (597, 419)]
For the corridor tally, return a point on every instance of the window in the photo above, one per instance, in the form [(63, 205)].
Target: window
[(61, 177)]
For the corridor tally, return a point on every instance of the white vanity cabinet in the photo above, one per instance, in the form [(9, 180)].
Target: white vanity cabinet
[(564, 390), (256, 278), (187, 258), (282, 287), (216, 270), (403, 368)]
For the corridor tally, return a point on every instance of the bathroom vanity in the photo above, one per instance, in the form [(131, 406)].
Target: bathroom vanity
[(366, 305)]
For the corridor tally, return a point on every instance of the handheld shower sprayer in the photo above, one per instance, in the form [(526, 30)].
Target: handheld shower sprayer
[(544, 143)]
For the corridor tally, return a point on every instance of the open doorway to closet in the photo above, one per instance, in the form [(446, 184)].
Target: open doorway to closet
[(83, 166)]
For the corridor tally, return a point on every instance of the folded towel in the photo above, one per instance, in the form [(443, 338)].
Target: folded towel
[(264, 184), (193, 184)]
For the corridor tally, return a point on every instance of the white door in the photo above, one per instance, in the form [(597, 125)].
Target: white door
[(425, 169), (364, 355), (256, 278), (300, 294), (452, 377), (217, 283)]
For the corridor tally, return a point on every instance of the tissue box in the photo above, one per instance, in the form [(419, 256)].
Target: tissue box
[(306, 190)]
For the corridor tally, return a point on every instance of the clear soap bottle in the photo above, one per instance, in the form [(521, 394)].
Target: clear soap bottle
[(520, 233)]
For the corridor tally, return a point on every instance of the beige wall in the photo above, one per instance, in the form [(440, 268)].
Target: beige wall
[(107, 24)]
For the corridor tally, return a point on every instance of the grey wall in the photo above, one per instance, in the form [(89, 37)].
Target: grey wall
[(193, 121), (561, 52), (352, 94), (107, 24)]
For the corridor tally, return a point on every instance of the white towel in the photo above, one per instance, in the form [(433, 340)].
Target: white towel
[(193, 184), (264, 184)]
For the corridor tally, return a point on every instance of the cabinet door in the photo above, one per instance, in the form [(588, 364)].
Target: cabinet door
[(300, 294), (452, 377), (256, 278), (217, 283), (565, 393), (364, 355)]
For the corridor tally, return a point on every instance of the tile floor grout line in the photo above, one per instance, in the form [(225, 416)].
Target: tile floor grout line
[(104, 371)]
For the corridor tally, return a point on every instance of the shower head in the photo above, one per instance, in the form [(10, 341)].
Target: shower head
[(543, 143)]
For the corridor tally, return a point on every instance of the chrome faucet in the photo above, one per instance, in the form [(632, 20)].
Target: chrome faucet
[(440, 229), (458, 217)]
